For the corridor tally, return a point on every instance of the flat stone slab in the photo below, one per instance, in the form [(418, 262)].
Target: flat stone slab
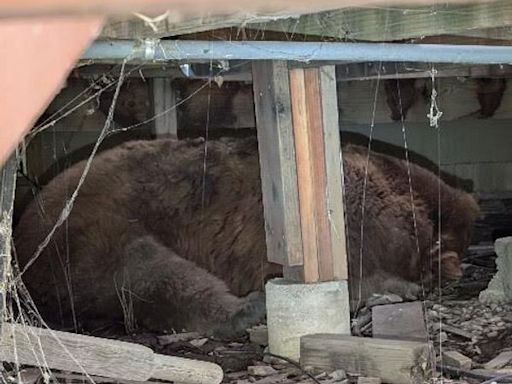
[(401, 321)]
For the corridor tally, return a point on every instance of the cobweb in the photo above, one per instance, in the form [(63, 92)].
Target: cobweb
[(21, 309)]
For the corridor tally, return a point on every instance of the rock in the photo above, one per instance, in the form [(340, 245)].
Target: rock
[(403, 321), (198, 342), (338, 375), (261, 370), (499, 290), (457, 360)]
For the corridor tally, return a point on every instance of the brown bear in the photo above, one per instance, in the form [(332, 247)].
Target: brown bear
[(171, 234)]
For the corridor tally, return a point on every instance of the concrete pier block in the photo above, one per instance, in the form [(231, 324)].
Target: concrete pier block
[(294, 310), (499, 290)]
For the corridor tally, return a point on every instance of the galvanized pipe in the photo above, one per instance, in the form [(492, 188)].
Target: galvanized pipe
[(193, 51)]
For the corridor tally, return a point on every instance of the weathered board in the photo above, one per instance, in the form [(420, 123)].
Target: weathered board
[(394, 361), (457, 98), (23, 344), (8, 186), (277, 162), (397, 23)]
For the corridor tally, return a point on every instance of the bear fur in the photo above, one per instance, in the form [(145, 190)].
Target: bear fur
[(174, 231)]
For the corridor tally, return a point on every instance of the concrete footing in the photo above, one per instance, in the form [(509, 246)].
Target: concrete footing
[(499, 290), (294, 310)]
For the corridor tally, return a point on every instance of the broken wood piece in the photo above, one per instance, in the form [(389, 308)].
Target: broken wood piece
[(453, 330), (66, 377), (259, 335), (96, 356), (368, 380), (503, 359), (394, 361), (403, 321), (457, 360), (176, 337)]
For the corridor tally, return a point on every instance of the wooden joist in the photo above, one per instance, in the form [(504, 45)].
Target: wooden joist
[(394, 361), (397, 23), (301, 170), (102, 357)]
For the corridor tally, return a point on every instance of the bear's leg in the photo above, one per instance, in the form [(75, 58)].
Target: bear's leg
[(172, 292)]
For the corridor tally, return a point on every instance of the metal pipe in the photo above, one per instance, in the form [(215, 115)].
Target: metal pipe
[(189, 51)]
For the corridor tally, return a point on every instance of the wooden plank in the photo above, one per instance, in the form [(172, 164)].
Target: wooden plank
[(22, 344), (500, 361), (395, 70), (457, 97), (394, 361), (334, 171), (7, 192), (164, 105), (319, 179), (392, 23), (94, 7), (401, 321), (277, 162), (304, 159)]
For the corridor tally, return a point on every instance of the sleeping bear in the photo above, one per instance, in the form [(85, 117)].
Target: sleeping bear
[(169, 234)]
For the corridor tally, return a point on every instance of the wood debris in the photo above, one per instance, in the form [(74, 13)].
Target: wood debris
[(500, 361), (176, 337)]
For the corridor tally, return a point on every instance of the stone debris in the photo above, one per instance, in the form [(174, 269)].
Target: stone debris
[(261, 370), (499, 290), (457, 360)]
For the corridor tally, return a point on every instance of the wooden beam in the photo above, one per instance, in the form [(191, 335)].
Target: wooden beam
[(18, 8), (164, 105), (277, 162), (316, 135), (305, 181), (7, 191), (394, 361), (391, 23), (311, 160), (391, 70), (334, 170), (22, 344)]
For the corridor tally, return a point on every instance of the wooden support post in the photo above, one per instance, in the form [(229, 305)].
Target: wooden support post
[(8, 187), (301, 169), (164, 102), (277, 163)]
